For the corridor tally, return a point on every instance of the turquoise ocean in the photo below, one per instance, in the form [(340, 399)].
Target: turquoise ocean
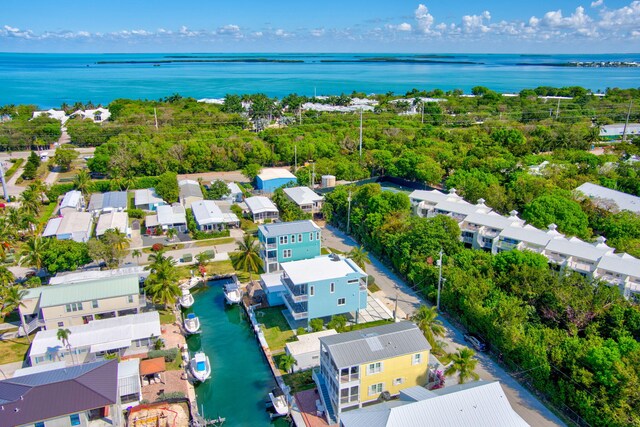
[(48, 80)]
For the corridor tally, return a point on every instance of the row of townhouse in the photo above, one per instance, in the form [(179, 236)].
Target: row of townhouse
[(481, 228)]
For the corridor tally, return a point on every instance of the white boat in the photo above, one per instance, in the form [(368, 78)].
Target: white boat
[(192, 324), (232, 293), (200, 366), (279, 402), (186, 300)]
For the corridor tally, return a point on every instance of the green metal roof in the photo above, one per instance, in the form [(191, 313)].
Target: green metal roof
[(54, 295)]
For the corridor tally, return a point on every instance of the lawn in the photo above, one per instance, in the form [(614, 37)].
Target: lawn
[(213, 242), (13, 169), (335, 251), (275, 327), (46, 213), (324, 251), (166, 317), (299, 381), (13, 350)]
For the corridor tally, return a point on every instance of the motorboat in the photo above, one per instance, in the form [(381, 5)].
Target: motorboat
[(192, 324), (279, 402), (200, 366), (232, 293), (186, 299)]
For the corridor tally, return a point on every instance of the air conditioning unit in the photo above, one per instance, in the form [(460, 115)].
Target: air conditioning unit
[(385, 395)]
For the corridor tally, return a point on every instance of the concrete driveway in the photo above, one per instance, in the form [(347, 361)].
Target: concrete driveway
[(522, 401)]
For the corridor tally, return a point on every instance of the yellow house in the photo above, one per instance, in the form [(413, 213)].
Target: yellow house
[(362, 366)]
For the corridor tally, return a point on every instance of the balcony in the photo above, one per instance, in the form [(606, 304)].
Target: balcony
[(32, 325), (363, 285), (298, 311), (271, 246), (298, 293), (507, 246)]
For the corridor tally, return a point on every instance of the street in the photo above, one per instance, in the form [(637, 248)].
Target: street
[(522, 401)]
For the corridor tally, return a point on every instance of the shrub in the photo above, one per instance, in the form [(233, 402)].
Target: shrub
[(136, 213), (170, 395), (316, 325), (157, 247), (338, 323), (169, 355), (301, 331)]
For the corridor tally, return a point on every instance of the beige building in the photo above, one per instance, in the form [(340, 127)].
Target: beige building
[(72, 304)]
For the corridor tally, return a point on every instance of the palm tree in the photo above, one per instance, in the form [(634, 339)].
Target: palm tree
[(162, 283), (427, 320), (462, 363), (116, 238), (38, 188), (12, 300), (30, 202), (171, 234), (82, 182), (359, 256), (32, 252), (63, 335), (7, 237), (6, 277), (248, 256), (286, 362), (136, 254)]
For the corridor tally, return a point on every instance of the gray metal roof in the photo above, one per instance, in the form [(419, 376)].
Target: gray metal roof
[(189, 188), (109, 200), (293, 227), (622, 200), (58, 392), (377, 343)]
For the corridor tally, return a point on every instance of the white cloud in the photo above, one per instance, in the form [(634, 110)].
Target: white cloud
[(229, 29), (627, 16), (404, 27), (317, 32), (555, 19), (424, 19), (597, 3), (475, 23)]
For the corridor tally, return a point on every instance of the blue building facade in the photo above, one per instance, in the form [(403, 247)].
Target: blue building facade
[(288, 241), (271, 179), (323, 286)]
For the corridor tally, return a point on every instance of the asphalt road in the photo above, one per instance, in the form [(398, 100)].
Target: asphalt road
[(522, 401)]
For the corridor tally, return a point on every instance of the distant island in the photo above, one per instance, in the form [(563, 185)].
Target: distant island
[(588, 64)]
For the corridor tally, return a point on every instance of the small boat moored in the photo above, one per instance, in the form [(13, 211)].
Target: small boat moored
[(232, 292), (186, 299), (200, 366), (192, 324), (279, 402)]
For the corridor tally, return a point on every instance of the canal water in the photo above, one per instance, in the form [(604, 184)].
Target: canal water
[(241, 378)]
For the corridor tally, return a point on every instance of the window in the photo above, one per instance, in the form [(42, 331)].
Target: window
[(74, 306), (352, 281), (286, 253), (332, 287), (60, 324), (94, 303), (417, 359), (75, 419), (374, 368), (317, 235), (284, 240), (398, 381), (310, 236), (375, 389), (39, 424), (130, 299), (342, 301), (311, 290), (299, 238)]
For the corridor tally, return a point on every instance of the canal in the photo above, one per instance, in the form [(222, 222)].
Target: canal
[(241, 378)]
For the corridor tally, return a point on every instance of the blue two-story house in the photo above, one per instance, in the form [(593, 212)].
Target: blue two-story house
[(288, 241), (323, 286)]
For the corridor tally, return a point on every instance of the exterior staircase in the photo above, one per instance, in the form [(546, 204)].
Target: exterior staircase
[(326, 400)]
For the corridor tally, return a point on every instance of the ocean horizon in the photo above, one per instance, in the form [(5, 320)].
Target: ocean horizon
[(50, 79)]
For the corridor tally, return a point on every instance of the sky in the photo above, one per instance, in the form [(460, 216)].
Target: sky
[(491, 26)]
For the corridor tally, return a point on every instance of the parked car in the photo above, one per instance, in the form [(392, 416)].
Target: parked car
[(476, 342)]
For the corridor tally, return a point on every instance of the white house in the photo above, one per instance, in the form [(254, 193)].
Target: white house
[(97, 115), (124, 336), (147, 199), (261, 208), (190, 192), (236, 195), (72, 201), (54, 114), (108, 202), (607, 198), (209, 217), (166, 217), (113, 220), (305, 198), (73, 225), (306, 350)]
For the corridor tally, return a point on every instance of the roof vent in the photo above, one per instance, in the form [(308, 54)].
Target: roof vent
[(514, 213), (452, 191), (552, 227), (334, 257), (481, 201)]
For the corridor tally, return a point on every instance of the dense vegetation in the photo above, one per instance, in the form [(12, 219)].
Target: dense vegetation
[(573, 339)]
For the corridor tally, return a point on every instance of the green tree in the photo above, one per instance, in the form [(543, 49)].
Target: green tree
[(463, 364), (339, 323), (162, 283), (251, 171), (65, 255), (63, 336), (33, 251), (427, 320), (361, 257), (316, 325), (247, 258), (287, 362), (12, 297), (171, 234), (217, 190), (82, 182), (136, 253), (64, 156), (6, 277), (31, 167), (555, 209), (167, 187)]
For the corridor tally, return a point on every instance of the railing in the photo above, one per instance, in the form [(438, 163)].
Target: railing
[(34, 324), (324, 395), (271, 246), (298, 292), (297, 310), (363, 285)]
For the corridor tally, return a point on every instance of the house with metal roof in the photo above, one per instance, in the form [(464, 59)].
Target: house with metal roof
[(322, 287), (73, 225), (235, 193), (479, 230), (261, 208), (122, 336), (166, 217), (129, 386), (62, 397), (113, 221), (305, 198), (209, 217), (190, 192), (270, 179), (77, 303), (288, 241), (72, 201), (478, 404), (147, 199), (614, 132), (306, 349), (609, 199), (112, 201), (89, 275), (357, 367)]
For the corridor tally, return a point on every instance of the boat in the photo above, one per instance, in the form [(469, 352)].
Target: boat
[(192, 324), (186, 300), (200, 366), (279, 402), (232, 293)]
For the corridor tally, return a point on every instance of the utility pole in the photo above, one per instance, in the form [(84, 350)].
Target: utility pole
[(4, 184), (361, 132), (439, 280), (423, 113), (313, 175), (558, 110), (349, 212), (155, 116), (295, 156), (626, 123), (300, 114)]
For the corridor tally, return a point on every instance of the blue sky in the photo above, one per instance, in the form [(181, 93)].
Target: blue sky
[(540, 26)]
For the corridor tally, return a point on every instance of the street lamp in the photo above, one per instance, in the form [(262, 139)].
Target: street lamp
[(440, 280), (349, 212)]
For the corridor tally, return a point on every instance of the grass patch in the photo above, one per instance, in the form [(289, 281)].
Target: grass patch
[(167, 247), (299, 381), (360, 326), (324, 251), (13, 169), (176, 365), (166, 317), (335, 251), (46, 213), (276, 329), (373, 288), (13, 350), (213, 242)]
